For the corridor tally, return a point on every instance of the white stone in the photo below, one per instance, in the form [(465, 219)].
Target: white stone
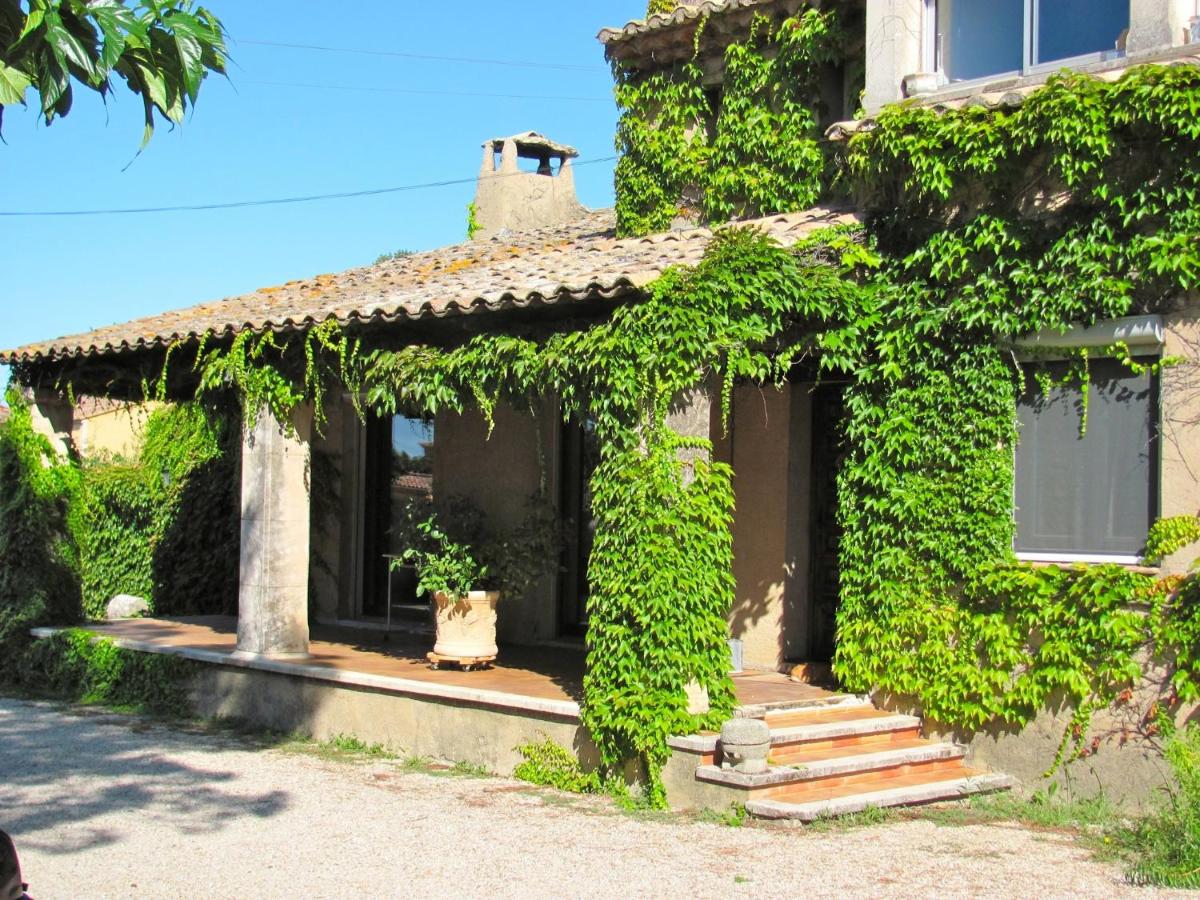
[(126, 606), (745, 745)]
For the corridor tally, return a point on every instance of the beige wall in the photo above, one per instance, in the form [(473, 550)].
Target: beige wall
[(115, 432), (1125, 766), (896, 30), (409, 725), (769, 447), (1180, 477), (334, 478), (500, 473)]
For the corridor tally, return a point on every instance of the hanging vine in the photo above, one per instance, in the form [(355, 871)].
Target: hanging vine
[(751, 148), (1081, 205)]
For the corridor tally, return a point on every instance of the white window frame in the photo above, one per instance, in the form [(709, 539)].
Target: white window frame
[(1144, 336), (932, 50)]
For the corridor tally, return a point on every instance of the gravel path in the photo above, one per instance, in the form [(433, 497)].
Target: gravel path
[(108, 806)]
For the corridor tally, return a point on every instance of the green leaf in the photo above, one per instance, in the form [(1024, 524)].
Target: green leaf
[(13, 84)]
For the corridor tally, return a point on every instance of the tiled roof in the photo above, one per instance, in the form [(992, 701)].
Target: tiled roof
[(664, 38), (1010, 93), (575, 262), (679, 16)]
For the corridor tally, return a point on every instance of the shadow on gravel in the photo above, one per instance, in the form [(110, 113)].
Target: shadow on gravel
[(60, 770)]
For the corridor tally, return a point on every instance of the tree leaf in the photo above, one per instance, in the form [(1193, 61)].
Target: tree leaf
[(13, 84)]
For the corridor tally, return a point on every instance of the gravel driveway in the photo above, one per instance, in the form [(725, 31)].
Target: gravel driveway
[(108, 806)]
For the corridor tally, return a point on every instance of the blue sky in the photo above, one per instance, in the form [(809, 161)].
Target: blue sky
[(250, 140)]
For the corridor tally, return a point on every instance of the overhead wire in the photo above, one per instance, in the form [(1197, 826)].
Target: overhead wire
[(424, 92), (276, 201), (520, 64)]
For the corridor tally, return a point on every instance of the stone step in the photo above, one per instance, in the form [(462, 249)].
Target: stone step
[(791, 743), (823, 716), (778, 707), (816, 772), (904, 791)]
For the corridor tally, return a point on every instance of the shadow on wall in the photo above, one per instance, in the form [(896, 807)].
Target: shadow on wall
[(195, 565), (113, 770)]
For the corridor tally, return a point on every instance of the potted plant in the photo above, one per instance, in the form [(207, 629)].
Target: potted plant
[(466, 566)]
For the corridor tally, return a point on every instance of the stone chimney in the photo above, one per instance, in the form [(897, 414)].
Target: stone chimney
[(509, 199)]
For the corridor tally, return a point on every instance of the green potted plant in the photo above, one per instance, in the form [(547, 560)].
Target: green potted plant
[(466, 566)]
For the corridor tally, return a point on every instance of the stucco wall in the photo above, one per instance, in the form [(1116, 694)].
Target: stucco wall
[(497, 472), (893, 49), (769, 450), (117, 431), (1125, 765), (500, 473), (895, 31), (1180, 476), (334, 507)]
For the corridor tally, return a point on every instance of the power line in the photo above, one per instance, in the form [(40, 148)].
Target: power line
[(520, 64), (278, 201), (420, 92)]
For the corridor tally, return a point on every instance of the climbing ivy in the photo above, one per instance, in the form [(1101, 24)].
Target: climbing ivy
[(1081, 205), (751, 149), (660, 573)]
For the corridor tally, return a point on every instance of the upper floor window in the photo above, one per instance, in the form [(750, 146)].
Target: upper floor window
[(974, 39)]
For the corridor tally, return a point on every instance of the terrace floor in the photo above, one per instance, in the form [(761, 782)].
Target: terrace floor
[(546, 679)]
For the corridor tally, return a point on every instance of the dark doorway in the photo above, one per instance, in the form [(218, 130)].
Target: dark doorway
[(398, 491), (828, 453), (580, 456)]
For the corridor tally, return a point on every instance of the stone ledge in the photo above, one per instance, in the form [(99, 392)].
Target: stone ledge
[(843, 765), (794, 734), (833, 701), (564, 709), (955, 789), (694, 743)]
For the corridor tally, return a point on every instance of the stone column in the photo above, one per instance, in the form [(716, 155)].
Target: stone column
[(508, 158), (1156, 24), (273, 592), (690, 416), (893, 49), (53, 417)]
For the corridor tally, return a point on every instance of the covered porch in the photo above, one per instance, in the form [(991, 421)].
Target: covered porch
[(380, 688)]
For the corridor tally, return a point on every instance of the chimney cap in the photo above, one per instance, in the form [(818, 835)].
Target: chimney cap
[(532, 145)]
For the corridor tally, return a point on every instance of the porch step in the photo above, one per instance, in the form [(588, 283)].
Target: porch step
[(904, 791), (847, 731), (779, 707), (824, 768), (840, 758)]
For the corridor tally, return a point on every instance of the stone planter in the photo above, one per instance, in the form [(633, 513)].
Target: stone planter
[(466, 628)]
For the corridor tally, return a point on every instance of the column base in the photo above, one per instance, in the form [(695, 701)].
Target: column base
[(281, 657)]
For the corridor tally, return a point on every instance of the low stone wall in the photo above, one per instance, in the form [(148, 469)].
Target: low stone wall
[(417, 726), (1122, 763)]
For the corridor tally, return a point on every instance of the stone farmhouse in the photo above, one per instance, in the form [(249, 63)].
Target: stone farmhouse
[(330, 638)]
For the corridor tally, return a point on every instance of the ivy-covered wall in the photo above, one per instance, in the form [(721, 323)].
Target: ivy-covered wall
[(73, 533), (1083, 204), (748, 144)]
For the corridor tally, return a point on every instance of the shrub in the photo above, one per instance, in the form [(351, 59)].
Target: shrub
[(78, 665), (548, 764), (39, 580), (1167, 843)]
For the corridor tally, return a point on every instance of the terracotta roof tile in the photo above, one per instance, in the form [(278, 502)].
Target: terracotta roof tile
[(566, 263), (679, 16)]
